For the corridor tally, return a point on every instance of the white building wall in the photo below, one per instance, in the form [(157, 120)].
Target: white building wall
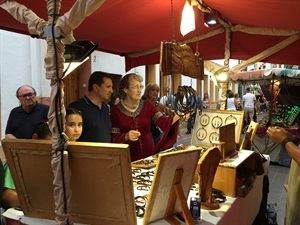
[(110, 63), (20, 63), (188, 81), (107, 62)]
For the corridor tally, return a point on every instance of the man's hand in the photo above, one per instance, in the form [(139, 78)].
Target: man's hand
[(278, 134)]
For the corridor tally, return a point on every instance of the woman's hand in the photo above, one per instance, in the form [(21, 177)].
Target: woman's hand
[(132, 135)]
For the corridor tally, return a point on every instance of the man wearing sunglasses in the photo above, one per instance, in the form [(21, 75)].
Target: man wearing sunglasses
[(24, 118)]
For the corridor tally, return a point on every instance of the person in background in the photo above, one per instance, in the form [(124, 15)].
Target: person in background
[(95, 110), (73, 127), (23, 119), (22, 123), (131, 120), (9, 196), (191, 120), (114, 99), (164, 99), (190, 125), (227, 92), (238, 100), (206, 101), (151, 95), (249, 101), (231, 101), (263, 103), (256, 106), (291, 144)]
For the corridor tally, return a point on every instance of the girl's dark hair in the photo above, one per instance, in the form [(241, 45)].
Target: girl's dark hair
[(71, 111), (42, 130)]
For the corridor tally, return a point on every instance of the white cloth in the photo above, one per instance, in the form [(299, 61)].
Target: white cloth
[(19, 216)]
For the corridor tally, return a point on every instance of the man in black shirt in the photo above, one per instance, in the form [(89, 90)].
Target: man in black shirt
[(95, 109), (24, 118)]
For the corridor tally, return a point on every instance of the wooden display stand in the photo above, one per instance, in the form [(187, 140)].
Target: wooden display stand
[(206, 170), (171, 185), (249, 136), (226, 175), (177, 194), (101, 180)]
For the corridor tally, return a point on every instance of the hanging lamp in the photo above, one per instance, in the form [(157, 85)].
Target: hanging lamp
[(187, 19)]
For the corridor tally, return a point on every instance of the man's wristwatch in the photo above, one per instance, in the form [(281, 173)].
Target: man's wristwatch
[(286, 140), (296, 140)]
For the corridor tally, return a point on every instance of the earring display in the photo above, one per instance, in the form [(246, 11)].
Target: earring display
[(230, 119), (213, 137), (208, 122), (216, 122), (204, 120), (201, 134)]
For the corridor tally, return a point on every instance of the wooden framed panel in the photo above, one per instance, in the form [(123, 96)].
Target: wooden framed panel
[(101, 182), (174, 169)]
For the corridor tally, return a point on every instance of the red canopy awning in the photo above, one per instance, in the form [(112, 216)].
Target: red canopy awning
[(135, 28)]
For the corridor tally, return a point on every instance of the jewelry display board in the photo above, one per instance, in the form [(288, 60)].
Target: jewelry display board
[(207, 124), (171, 185), (101, 180)]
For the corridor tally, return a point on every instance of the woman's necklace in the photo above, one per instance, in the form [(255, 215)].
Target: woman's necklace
[(133, 107)]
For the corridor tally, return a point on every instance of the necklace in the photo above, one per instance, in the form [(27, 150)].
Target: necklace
[(134, 106)]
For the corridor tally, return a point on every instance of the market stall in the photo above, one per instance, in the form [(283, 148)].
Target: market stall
[(167, 185), (284, 110)]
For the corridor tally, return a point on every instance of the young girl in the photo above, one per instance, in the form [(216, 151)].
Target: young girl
[(73, 124)]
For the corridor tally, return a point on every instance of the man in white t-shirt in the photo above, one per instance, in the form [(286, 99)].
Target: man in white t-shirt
[(248, 104), (164, 99)]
